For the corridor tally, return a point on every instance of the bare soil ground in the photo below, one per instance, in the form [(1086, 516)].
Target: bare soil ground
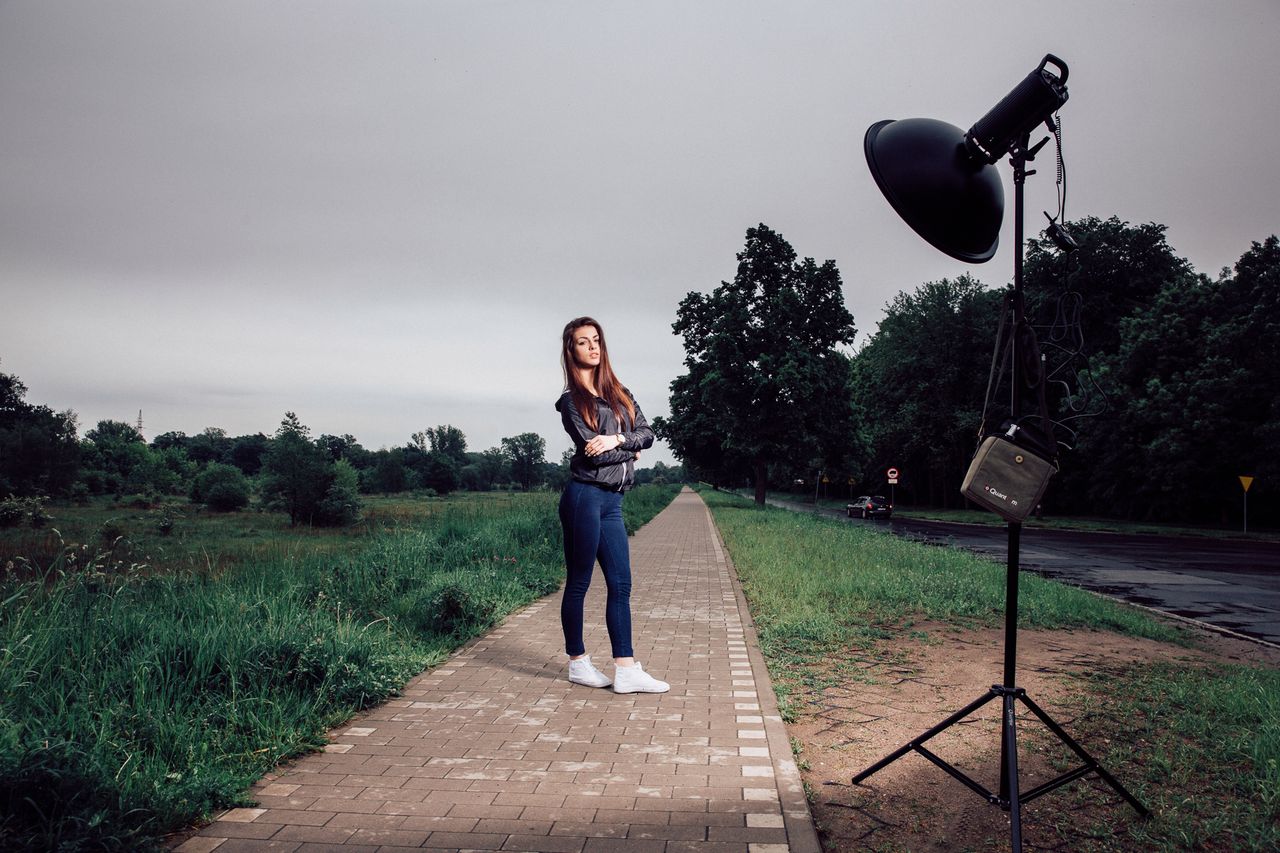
[(846, 726)]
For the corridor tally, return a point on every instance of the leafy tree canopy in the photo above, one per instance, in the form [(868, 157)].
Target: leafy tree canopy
[(921, 381), (39, 451), (526, 453), (765, 378)]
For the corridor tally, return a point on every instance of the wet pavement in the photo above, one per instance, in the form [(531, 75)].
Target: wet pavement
[(1229, 584)]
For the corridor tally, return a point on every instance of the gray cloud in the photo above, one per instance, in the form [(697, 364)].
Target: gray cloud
[(379, 214)]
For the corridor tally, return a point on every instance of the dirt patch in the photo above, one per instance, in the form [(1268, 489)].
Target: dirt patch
[(846, 723)]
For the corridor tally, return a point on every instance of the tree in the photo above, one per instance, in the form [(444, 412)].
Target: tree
[(439, 472), (343, 447), (247, 451), (223, 488), (388, 473), (438, 455), (448, 441), (1120, 274), (557, 476), (211, 445), (170, 440), (111, 451), (526, 452), (765, 379), (1195, 391), (296, 473), (39, 452), (660, 474), (921, 380), (340, 506), (483, 470), (160, 472), (1117, 271)]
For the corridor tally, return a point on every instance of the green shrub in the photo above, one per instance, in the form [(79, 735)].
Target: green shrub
[(223, 488), (38, 518), (12, 511), (340, 506)]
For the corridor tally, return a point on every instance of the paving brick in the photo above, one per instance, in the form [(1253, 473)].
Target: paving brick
[(466, 840), (669, 832), (318, 834), (544, 844), (289, 817), (359, 820), (624, 845), (752, 835), (249, 845), (398, 837), (223, 829), (521, 827), (589, 830), (433, 823), (495, 749)]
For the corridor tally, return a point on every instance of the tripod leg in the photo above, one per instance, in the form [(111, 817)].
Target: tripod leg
[(1084, 756), (1010, 770), (907, 747)]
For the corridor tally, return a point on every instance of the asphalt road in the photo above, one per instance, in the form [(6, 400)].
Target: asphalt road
[(1229, 584)]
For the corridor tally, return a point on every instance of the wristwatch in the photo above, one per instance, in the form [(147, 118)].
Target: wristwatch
[(621, 439)]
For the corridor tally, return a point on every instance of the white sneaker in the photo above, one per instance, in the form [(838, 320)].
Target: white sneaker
[(582, 672), (633, 679)]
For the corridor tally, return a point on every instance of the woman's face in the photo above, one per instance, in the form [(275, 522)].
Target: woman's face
[(586, 346)]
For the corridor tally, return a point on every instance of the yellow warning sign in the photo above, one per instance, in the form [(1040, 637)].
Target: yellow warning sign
[(1246, 482)]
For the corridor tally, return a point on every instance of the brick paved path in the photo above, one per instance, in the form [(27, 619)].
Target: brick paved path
[(495, 750)]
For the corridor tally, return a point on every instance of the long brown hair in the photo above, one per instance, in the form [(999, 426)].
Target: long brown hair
[(607, 384)]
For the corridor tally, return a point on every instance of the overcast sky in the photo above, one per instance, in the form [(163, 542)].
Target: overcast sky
[(380, 215)]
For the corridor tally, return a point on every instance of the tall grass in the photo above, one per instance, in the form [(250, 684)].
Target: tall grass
[(818, 580), (1202, 746), (133, 704)]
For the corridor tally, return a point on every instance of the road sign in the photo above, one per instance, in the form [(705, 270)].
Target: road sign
[(1246, 482), (893, 473), (826, 479), (893, 481)]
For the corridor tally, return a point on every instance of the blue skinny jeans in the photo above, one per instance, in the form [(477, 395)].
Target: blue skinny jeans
[(593, 530)]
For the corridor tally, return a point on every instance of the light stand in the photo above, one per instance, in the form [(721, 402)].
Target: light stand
[(1023, 109)]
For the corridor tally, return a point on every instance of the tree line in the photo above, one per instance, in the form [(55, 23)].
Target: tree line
[(1162, 381), (316, 480)]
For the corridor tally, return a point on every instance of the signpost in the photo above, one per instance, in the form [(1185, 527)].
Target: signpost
[(893, 481), (1246, 482)]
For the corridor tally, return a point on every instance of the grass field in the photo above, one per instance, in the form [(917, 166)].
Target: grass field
[(147, 678), (175, 535), (1209, 763)]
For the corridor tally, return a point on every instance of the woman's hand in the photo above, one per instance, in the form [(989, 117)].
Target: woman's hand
[(601, 444)]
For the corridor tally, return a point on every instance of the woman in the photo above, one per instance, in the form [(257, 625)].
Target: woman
[(608, 432)]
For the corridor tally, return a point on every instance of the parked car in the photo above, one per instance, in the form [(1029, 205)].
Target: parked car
[(870, 506)]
